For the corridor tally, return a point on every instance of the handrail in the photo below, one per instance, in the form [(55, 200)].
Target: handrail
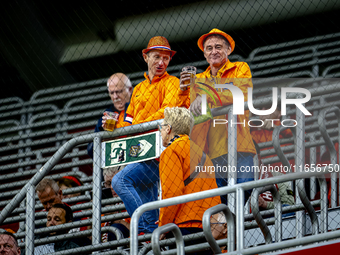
[(82, 214), (300, 186), (207, 194), (49, 239), (207, 227), (330, 146), (47, 167), (277, 212), (162, 230)]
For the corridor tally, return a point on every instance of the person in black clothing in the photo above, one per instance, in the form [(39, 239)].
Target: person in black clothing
[(57, 215), (120, 89)]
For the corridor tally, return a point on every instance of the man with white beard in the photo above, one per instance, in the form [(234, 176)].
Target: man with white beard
[(120, 89)]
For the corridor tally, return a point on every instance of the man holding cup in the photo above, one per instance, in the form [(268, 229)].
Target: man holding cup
[(120, 89), (217, 46), (137, 183)]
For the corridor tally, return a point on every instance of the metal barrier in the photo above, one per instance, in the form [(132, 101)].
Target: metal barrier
[(47, 167), (164, 229), (207, 229), (239, 189), (330, 145), (277, 213)]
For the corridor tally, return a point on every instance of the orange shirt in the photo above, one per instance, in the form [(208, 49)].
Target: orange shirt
[(239, 74), (150, 98), (120, 123), (177, 161)]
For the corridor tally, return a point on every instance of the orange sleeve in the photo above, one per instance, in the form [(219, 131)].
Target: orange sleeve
[(242, 80), (183, 99), (169, 90), (171, 177), (121, 122), (130, 110)]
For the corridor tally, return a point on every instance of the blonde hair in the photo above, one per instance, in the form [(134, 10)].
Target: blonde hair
[(111, 171), (180, 119)]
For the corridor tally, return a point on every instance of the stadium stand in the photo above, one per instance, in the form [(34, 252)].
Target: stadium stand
[(32, 132)]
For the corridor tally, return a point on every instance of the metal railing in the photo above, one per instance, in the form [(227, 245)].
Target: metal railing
[(47, 167)]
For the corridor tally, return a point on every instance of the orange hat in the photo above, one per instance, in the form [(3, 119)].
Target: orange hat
[(216, 32), (159, 43)]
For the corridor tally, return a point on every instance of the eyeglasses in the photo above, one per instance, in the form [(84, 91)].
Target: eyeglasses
[(163, 125)]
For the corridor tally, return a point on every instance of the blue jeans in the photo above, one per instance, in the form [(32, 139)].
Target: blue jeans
[(244, 159), (136, 185)]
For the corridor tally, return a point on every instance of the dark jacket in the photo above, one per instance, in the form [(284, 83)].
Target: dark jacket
[(58, 246), (99, 127)]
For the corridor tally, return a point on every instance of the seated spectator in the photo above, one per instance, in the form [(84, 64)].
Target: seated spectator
[(286, 195), (219, 228), (57, 215), (124, 224), (178, 174), (9, 244), (120, 90), (49, 193), (69, 182), (284, 188)]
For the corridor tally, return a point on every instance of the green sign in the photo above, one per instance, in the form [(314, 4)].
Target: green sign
[(131, 149)]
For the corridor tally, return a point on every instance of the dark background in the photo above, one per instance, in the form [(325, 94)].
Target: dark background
[(33, 35)]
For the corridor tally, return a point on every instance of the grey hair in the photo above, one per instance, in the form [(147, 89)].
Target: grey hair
[(121, 77), (47, 182), (180, 119)]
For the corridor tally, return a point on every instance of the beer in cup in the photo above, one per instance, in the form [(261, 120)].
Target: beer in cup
[(192, 71), (111, 119)]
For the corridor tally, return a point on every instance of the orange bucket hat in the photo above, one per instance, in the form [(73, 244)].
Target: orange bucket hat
[(159, 43), (216, 31)]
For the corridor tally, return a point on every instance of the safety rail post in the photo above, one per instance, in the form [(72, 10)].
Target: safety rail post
[(277, 213), (30, 217), (232, 156), (323, 204), (207, 227), (97, 194), (164, 229), (240, 218), (299, 149), (331, 148)]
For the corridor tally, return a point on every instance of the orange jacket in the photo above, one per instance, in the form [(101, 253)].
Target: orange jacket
[(218, 135), (150, 98), (120, 123), (177, 161)]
